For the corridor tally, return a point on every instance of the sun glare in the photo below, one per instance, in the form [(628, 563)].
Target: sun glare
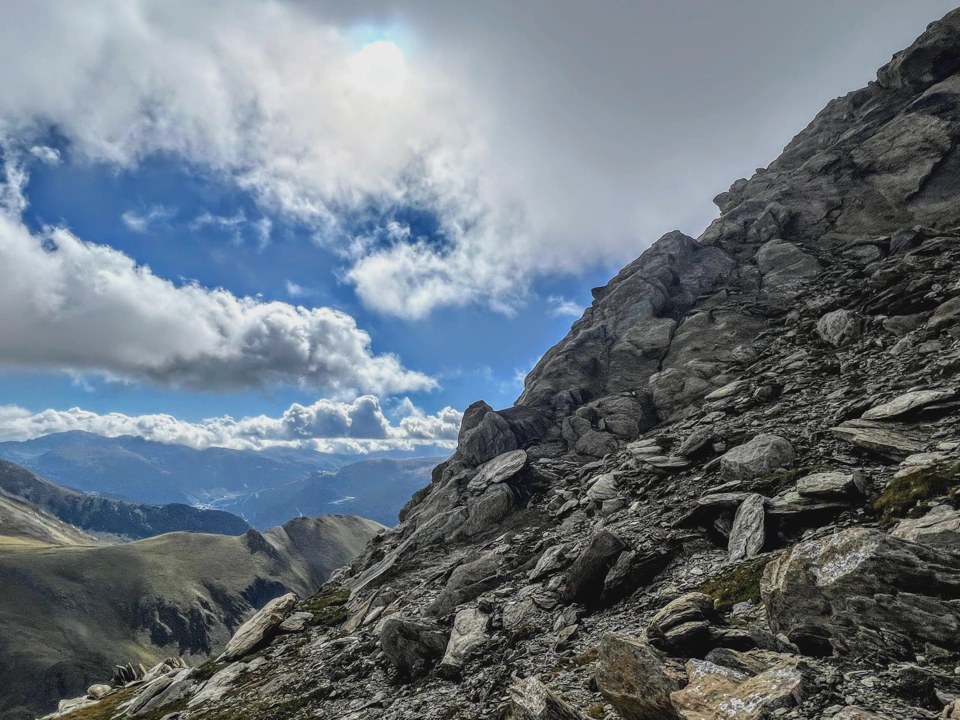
[(379, 69)]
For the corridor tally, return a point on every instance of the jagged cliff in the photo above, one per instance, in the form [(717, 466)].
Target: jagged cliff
[(729, 492)]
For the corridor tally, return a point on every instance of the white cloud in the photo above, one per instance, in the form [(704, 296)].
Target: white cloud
[(78, 307), (544, 142), (563, 307), (298, 291), (48, 155), (141, 222), (328, 426)]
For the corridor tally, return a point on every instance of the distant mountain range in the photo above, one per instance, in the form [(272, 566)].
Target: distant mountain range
[(266, 487), (22, 490), (375, 489)]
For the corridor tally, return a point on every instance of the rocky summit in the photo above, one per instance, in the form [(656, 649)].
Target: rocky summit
[(729, 493)]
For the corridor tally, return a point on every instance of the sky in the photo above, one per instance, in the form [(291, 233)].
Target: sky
[(256, 223)]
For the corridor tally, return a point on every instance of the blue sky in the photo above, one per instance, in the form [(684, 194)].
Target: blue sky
[(301, 222), (191, 227)]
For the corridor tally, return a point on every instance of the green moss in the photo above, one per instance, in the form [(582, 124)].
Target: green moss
[(737, 584), (775, 482), (902, 494), (328, 607), (588, 657)]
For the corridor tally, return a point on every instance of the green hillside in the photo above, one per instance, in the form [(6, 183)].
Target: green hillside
[(70, 613)]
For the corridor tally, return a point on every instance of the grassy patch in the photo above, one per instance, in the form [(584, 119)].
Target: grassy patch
[(598, 711), (207, 670), (735, 585), (104, 709), (902, 494), (329, 607)]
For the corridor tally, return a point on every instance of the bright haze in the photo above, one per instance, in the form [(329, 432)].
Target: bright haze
[(257, 223)]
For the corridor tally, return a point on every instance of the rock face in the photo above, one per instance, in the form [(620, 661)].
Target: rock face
[(704, 463), (865, 593)]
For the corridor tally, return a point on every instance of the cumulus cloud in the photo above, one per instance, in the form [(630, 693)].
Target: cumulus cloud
[(80, 307), (327, 426), (543, 140)]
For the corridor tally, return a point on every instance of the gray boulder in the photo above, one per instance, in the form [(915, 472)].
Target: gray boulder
[(637, 680), (468, 581), (945, 315), (584, 579), (831, 484), (596, 444), (840, 327), (472, 417), (865, 593), (684, 625), (759, 457), (785, 267), (632, 570), (412, 647), (491, 437), (907, 403), (939, 528), (530, 699), (487, 511)]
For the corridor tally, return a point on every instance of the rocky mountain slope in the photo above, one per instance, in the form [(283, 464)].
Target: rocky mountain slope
[(70, 613), (730, 492), (111, 517)]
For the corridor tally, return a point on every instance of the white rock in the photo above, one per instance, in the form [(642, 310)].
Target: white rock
[(749, 529), (500, 469), (257, 629), (469, 633), (907, 402), (604, 488)]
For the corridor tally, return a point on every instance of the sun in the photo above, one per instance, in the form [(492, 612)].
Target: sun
[(379, 69)]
